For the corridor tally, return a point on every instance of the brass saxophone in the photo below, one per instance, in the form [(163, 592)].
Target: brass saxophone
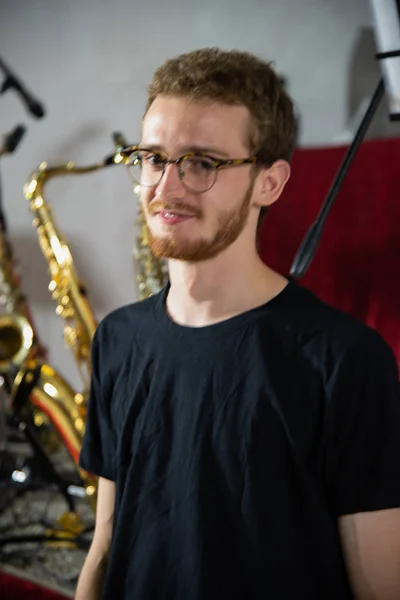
[(25, 372), (17, 338), (151, 273), (36, 393), (53, 395)]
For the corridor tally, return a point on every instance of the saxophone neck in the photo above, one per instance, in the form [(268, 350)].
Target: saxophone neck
[(41, 175)]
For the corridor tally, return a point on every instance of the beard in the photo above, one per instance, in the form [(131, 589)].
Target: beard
[(229, 226)]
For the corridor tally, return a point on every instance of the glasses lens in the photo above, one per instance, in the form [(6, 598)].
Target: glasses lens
[(146, 168), (198, 173)]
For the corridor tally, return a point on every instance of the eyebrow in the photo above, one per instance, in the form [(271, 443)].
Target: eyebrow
[(186, 150)]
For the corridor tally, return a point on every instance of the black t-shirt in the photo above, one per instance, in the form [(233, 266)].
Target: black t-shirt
[(235, 447)]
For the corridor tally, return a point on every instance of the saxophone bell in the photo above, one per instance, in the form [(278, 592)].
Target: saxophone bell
[(16, 341), (16, 331)]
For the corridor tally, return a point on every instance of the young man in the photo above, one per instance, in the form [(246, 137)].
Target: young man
[(246, 435)]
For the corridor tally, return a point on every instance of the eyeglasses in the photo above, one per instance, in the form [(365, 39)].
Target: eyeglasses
[(197, 171)]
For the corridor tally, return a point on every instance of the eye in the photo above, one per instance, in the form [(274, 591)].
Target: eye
[(156, 161), (201, 164)]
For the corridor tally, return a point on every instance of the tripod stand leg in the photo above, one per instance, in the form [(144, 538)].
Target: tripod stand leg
[(46, 464)]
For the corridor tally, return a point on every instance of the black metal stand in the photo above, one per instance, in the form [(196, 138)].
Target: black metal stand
[(12, 82), (49, 472), (308, 247)]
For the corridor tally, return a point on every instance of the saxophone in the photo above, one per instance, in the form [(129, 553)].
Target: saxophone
[(51, 394), (151, 274), (17, 338), (25, 372), (34, 392)]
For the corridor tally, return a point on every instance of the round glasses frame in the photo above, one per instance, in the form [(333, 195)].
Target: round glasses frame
[(126, 154)]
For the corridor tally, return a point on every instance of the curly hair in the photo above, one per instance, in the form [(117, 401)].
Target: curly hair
[(236, 78)]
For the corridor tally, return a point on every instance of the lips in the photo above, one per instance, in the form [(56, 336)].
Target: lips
[(173, 213), (173, 217), (176, 209)]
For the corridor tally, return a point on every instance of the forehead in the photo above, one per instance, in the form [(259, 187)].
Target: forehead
[(177, 123)]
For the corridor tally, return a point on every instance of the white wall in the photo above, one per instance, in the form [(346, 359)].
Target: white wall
[(90, 61)]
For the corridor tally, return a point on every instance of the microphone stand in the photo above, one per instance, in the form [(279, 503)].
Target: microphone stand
[(308, 246), (13, 82)]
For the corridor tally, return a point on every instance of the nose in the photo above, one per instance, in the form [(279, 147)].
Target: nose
[(171, 184)]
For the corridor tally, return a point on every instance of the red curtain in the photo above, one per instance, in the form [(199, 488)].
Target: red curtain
[(20, 589), (357, 264)]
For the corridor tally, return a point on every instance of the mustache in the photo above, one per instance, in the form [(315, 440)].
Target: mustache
[(158, 205)]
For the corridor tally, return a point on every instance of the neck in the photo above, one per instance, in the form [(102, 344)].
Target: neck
[(220, 288)]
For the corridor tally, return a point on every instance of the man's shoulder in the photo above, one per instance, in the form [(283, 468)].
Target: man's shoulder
[(332, 330), (128, 314), (121, 325), (312, 313)]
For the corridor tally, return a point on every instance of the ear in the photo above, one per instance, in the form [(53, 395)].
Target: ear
[(270, 183)]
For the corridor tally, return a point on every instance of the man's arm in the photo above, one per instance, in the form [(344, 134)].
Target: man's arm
[(371, 547), (93, 572)]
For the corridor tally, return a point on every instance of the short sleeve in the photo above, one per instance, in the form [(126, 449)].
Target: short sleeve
[(362, 429), (98, 447)]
